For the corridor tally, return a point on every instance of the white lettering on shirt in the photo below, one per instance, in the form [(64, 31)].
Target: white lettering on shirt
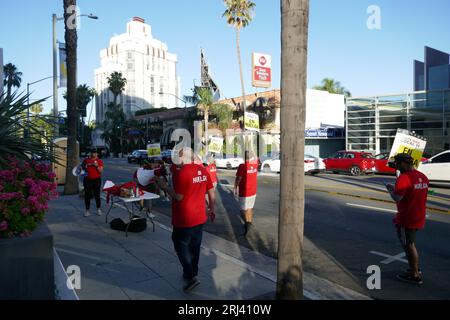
[(199, 179), (421, 186)]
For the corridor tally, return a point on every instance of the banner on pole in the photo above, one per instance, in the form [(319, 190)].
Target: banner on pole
[(154, 150), (62, 66), (251, 121), (409, 143)]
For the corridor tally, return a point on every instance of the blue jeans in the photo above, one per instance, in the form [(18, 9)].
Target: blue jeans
[(187, 242)]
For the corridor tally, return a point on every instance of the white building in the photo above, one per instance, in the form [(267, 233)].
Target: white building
[(146, 64)]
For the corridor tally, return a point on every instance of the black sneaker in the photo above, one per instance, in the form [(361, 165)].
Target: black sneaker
[(410, 278), (409, 271), (191, 285)]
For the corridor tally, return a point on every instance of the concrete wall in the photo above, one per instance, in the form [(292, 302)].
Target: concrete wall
[(325, 147)]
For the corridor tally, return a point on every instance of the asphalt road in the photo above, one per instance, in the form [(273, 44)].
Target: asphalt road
[(344, 234)]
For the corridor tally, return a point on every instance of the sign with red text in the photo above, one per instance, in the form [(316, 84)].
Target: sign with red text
[(261, 70)]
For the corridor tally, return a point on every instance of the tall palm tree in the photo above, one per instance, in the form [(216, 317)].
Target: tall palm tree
[(13, 78), (333, 86), (239, 14), (294, 50), (71, 38), (116, 84)]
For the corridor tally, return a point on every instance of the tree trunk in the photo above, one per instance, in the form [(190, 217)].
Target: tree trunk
[(238, 47), (71, 186), (294, 47)]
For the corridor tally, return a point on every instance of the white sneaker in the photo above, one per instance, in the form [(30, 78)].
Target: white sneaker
[(99, 212), (87, 213)]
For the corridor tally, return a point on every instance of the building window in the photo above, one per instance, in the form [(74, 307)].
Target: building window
[(130, 66), (130, 55)]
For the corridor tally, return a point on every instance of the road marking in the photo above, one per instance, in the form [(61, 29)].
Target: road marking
[(369, 207), (391, 258)]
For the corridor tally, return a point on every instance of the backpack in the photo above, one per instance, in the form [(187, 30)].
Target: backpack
[(118, 224), (138, 224)]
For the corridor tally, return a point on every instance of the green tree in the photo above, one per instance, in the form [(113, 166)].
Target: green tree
[(333, 86), (239, 14), (37, 108), (13, 78), (113, 128), (294, 51), (116, 84), (71, 38)]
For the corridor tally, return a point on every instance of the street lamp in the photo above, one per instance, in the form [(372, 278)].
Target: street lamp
[(55, 18), (171, 94), (28, 102)]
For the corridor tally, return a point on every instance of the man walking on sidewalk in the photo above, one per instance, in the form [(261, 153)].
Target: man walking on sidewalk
[(410, 192), (191, 183), (245, 187), (93, 181)]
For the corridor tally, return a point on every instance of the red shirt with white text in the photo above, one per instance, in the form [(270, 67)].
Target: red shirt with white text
[(249, 179), (192, 182), (212, 170), (413, 186), (92, 172)]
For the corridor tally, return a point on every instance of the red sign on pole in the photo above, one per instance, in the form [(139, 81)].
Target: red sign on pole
[(262, 70)]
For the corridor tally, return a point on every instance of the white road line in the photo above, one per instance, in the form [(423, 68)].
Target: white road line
[(369, 207), (390, 258)]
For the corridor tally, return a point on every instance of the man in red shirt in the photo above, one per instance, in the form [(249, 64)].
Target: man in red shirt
[(92, 182), (212, 170), (410, 192), (245, 187), (191, 183)]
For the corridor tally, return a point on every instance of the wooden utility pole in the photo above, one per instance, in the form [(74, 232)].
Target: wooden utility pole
[(294, 49)]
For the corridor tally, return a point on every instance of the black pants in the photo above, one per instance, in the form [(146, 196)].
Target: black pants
[(187, 242), (92, 189)]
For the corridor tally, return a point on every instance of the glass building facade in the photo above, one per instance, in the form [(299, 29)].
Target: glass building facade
[(372, 122)]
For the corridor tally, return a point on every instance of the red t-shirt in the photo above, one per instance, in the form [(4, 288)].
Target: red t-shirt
[(212, 170), (249, 179), (413, 186), (151, 187), (92, 172), (192, 181)]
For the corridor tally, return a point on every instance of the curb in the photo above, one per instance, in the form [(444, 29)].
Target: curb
[(442, 211)]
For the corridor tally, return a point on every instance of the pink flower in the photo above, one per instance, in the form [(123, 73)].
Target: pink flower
[(7, 175), (3, 226), (25, 211), (10, 195)]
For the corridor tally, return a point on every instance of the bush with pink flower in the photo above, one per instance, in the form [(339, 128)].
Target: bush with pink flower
[(25, 191)]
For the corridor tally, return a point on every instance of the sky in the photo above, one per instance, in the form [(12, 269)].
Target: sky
[(341, 46)]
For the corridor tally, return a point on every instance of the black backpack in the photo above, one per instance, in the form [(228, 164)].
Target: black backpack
[(137, 224)]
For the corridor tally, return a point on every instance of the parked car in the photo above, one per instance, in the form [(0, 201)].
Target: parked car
[(228, 163), (381, 164), (313, 164), (137, 156), (353, 162), (437, 168)]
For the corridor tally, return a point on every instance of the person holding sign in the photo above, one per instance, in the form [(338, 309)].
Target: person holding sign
[(191, 183), (92, 181), (245, 188), (410, 193)]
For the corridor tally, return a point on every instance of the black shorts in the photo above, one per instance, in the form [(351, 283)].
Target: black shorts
[(406, 236)]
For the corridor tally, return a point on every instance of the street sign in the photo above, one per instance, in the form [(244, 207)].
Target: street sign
[(409, 143), (215, 145), (251, 121), (154, 150), (261, 70)]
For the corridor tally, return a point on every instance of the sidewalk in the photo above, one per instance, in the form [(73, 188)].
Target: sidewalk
[(145, 266)]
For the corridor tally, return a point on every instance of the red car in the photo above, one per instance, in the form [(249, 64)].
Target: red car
[(353, 162), (381, 164)]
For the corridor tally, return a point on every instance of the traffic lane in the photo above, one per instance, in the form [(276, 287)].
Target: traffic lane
[(350, 234)]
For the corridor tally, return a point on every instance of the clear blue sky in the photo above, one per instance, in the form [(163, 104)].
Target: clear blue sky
[(340, 45)]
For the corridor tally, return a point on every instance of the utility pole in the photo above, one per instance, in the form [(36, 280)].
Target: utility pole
[(294, 49)]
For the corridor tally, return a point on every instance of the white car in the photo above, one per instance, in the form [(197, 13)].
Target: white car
[(229, 163), (313, 165), (437, 168)]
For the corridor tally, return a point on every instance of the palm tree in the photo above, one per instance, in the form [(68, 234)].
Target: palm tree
[(71, 38), (333, 86), (294, 49), (113, 128), (13, 78), (239, 14), (116, 84)]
